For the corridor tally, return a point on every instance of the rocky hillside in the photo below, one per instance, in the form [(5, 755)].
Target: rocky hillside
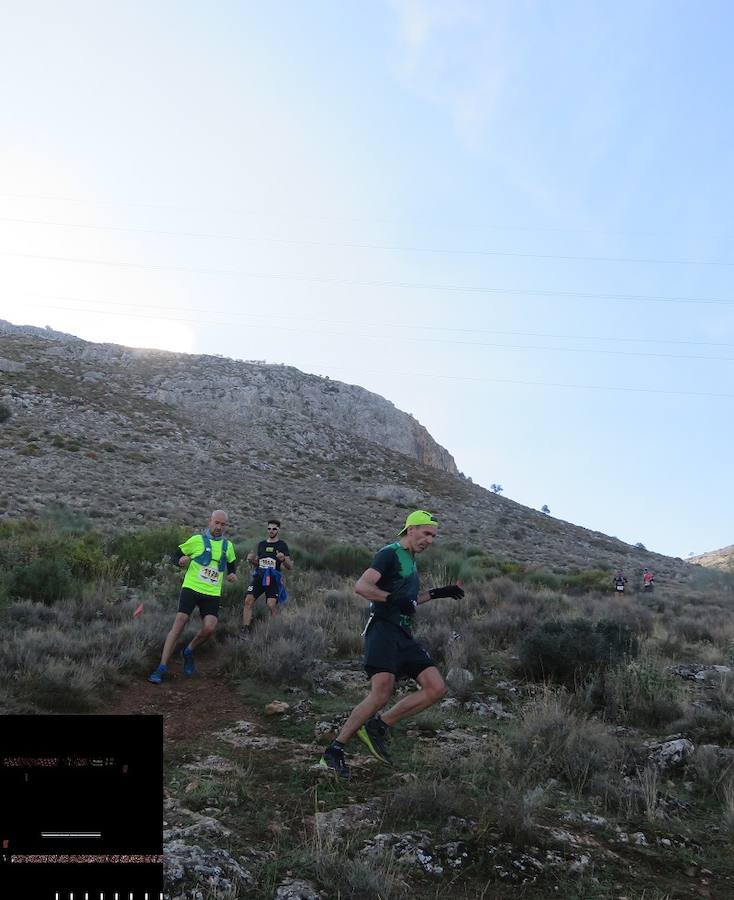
[(717, 559), (143, 436)]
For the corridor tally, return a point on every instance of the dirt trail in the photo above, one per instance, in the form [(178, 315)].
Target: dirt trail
[(190, 706)]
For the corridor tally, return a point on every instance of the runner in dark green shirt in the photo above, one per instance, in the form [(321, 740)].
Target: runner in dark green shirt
[(390, 650)]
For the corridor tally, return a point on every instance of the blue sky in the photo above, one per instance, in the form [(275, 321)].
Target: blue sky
[(511, 219)]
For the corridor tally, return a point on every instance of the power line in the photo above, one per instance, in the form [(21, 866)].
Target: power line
[(358, 219), (413, 326), (582, 387), (360, 245), (317, 279), (465, 378), (355, 335)]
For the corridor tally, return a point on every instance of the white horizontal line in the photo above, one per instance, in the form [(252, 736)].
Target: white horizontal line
[(71, 834)]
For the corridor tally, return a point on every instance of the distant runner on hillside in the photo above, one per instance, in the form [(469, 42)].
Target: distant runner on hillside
[(390, 651), (648, 580), (619, 582), (205, 557), (267, 560)]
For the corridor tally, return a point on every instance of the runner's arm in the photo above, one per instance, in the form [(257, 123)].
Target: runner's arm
[(285, 559), (366, 587)]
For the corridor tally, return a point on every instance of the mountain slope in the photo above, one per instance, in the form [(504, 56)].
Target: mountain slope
[(143, 436), (716, 559)]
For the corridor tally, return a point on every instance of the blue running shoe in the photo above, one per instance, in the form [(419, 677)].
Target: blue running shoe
[(159, 674), (188, 661)]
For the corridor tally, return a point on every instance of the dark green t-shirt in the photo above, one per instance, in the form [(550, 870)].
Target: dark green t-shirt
[(398, 573)]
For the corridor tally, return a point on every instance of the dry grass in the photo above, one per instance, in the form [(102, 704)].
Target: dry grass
[(62, 658), (640, 692), (649, 779), (552, 740), (727, 815)]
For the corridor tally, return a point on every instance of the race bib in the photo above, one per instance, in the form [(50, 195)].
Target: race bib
[(267, 562), (620, 587), (209, 575)]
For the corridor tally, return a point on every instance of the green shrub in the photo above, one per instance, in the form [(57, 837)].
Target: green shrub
[(567, 651), (349, 560), (590, 580), (46, 579), (346, 559), (141, 551), (570, 582), (545, 579)]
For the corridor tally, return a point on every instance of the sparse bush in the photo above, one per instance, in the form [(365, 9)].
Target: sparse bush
[(637, 619), (435, 635), (553, 741), (501, 628), (426, 802), (62, 685), (514, 813), (357, 878), (706, 724), (695, 630), (713, 771), (649, 779), (502, 590), (727, 814), (620, 640), (286, 649), (723, 698), (639, 692)]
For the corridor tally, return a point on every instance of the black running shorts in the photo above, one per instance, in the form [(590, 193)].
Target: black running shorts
[(208, 605), (387, 648), (257, 589)]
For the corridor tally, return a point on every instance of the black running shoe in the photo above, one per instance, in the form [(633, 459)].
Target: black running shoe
[(333, 758), (375, 734)]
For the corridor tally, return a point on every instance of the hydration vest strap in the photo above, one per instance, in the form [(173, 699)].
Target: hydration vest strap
[(205, 558)]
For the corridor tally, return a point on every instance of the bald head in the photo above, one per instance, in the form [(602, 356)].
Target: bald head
[(218, 523)]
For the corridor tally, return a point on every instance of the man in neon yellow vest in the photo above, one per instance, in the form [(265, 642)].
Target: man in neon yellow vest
[(205, 557)]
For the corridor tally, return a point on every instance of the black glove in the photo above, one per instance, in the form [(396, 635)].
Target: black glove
[(405, 602), (450, 590)]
